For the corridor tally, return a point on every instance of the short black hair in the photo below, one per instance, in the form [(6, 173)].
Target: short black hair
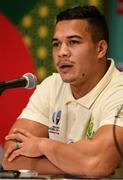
[(96, 20)]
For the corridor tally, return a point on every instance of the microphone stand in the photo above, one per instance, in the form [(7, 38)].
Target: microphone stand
[(1, 91), (1, 88), (10, 84)]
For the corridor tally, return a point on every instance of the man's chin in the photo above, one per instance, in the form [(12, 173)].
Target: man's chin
[(67, 80)]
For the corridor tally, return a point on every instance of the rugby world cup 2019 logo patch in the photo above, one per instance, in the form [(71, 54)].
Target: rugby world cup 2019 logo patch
[(56, 117), (55, 127)]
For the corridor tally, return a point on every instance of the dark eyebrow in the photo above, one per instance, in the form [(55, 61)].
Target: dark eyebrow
[(74, 36), (69, 37), (54, 39)]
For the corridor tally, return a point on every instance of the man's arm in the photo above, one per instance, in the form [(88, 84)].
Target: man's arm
[(97, 157), (92, 158), (42, 165)]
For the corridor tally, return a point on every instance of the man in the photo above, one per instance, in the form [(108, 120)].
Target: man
[(67, 126)]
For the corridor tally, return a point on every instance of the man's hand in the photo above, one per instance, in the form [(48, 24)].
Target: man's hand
[(25, 144)]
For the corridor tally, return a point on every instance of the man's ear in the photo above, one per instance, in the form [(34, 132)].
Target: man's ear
[(102, 48)]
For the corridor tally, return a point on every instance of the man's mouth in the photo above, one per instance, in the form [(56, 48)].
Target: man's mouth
[(64, 68)]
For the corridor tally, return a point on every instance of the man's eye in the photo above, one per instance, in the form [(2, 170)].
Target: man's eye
[(55, 44), (72, 42)]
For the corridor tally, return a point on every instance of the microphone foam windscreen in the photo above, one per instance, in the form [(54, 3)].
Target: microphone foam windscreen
[(31, 80)]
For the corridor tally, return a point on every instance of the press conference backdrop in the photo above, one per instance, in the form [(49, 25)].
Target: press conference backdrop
[(115, 21), (26, 28)]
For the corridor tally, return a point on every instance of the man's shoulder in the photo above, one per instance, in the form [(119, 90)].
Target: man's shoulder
[(118, 78), (114, 89)]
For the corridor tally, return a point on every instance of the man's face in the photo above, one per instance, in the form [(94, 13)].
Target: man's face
[(74, 52)]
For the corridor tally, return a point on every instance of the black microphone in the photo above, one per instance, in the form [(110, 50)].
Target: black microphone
[(28, 81)]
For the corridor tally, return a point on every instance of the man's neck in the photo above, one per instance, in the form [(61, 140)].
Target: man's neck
[(82, 89)]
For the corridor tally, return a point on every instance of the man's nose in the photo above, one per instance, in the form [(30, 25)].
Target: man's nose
[(64, 50)]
